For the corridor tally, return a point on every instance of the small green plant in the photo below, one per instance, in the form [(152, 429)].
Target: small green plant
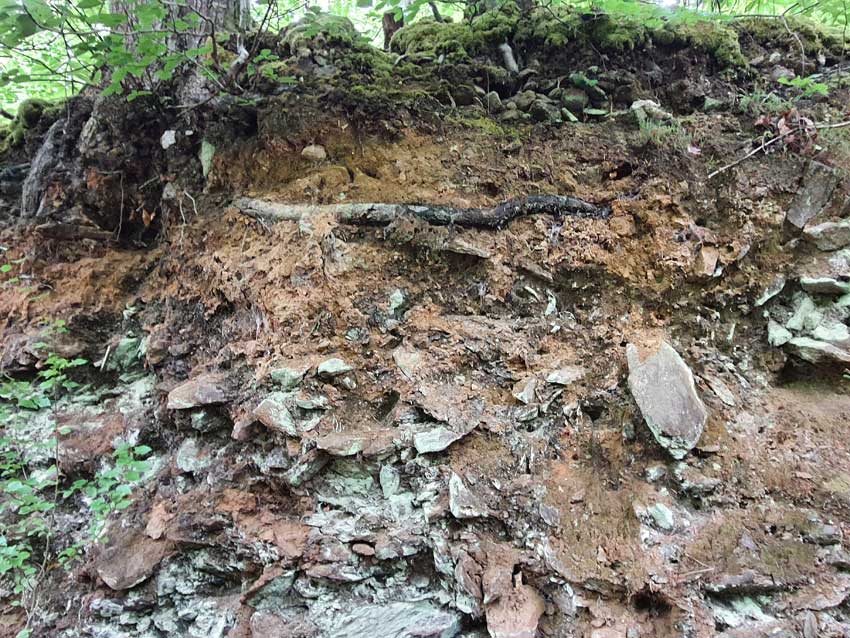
[(669, 135), (759, 103), (32, 485), (809, 86)]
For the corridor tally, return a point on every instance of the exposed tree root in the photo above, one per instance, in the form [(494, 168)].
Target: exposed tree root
[(382, 214)]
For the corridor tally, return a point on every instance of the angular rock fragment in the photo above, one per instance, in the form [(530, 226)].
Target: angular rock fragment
[(815, 351), (314, 153), (824, 285), (206, 389), (390, 480), (663, 387), (333, 368), (191, 457), (130, 558), (814, 194), (367, 442), (394, 620), (306, 467), (566, 375), (436, 440), (720, 389), (462, 502), (829, 235), (289, 377), (275, 415), (772, 290), (778, 335), (524, 389), (409, 361), (662, 516)]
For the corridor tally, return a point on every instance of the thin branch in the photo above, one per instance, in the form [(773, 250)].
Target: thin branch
[(771, 142)]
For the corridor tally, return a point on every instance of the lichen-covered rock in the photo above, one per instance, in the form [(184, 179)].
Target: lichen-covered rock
[(663, 387), (273, 413), (334, 367), (829, 235)]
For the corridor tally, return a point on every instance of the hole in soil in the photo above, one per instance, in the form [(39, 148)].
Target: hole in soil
[(593, 410), (387, 404), (622, 170), (652, 602)]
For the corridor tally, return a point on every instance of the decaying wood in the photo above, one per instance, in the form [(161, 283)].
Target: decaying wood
[(382, 214)]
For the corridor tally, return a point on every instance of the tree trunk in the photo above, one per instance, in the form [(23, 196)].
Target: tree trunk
[(57, 162), (216, 16)]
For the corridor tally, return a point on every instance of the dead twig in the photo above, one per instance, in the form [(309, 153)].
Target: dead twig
[(771, 142)]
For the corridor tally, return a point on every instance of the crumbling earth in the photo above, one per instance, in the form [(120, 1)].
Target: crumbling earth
[(602, 426)]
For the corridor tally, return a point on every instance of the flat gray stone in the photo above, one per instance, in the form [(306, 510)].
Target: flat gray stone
[(395, 620), (778, 335), (663, 387), (462, 502), (824, 285), (819, 182), (829, 235), (436, 440), (815, 351), (288, 378), (566, 375), (206, 389), (275, 415), (333, 368)]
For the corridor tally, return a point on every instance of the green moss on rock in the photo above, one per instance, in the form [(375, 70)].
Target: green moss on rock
[(773, 34), (716, 38), (457, 40), (29, 115), (315, 28)]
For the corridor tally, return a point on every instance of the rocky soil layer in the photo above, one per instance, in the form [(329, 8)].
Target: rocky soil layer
[(630, 423)]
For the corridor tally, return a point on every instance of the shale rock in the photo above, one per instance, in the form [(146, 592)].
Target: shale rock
[(206, 389), (829, 235), (663, 387), (814, 194)]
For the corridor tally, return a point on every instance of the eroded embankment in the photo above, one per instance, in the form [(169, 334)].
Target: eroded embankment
[(418, 429)]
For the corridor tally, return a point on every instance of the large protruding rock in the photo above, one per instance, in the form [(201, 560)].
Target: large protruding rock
[(814, 194), (206, 389), (663, 387)]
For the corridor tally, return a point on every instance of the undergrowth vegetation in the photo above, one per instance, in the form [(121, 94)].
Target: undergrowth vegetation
[(33, 486), (51, 50)]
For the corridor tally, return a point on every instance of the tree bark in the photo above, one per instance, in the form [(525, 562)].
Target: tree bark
[(216, 16)]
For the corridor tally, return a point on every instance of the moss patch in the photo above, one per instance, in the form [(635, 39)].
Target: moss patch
[(773, 34), (457, 40), (29, 115), (317, 28)]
